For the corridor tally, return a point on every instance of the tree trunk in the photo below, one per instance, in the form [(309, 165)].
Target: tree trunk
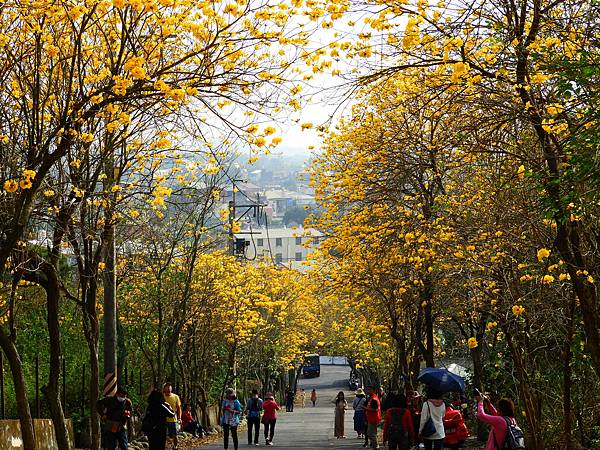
[(475, 353), (568, 233), (529, 400), (428, 310), (52, 391), (92, 333), (402, 358), (94, 394), (425, 314), (477, 367), (567, 381), (159, 344), (16, 369)]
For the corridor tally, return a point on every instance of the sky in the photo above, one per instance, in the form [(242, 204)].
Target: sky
[(322, 93), (297, 141)]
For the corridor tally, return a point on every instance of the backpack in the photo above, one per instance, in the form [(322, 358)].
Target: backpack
[(515, 439), (254, 410), (147, 425), (396, 428)]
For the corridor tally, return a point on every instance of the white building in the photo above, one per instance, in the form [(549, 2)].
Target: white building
[(281, 200), (287, 246)]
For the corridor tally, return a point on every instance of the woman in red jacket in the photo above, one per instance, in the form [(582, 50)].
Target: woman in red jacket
[(455, 427), (398, 428), (269, 419)]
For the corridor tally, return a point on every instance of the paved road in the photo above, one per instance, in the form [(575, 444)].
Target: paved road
[(312, 428)]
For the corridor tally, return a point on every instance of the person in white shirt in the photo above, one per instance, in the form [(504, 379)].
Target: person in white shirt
[(435, 409)]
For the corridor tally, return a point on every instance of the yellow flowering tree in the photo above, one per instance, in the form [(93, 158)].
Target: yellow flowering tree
[(238, 321), (510, 61), (83, 75)]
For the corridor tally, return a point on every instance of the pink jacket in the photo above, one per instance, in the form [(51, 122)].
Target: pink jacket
[(498, 424)]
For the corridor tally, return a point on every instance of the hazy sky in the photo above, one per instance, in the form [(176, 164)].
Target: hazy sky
[(323, 92)]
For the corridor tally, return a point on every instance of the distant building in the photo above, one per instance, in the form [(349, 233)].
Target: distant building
[(281, 200), (244, 192), (286, 246)]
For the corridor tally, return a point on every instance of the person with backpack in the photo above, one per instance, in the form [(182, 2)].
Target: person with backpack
[(455, 428), (232, 411), (115, 412), (254, 407), (505, 433), (373, 414), (154, 423), (431, 428), (398, 428)]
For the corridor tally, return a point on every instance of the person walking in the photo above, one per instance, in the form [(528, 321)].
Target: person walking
[(398, 428), (340, 410), (115, 412), (358, 405), (269, 419), (373, 414), (289, 400), (302, 398), (232, 411), (154, 423), (254, 407), (313, 397), (499, 420), (455, 428), (366, 425), (172, 422), (434, 408)]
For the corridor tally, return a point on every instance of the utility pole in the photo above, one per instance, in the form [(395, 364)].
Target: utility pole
[(110, 281), (238, 247), (110, 317), (231, 223)]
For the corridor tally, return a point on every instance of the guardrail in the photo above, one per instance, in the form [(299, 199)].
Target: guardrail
[(333, 360)]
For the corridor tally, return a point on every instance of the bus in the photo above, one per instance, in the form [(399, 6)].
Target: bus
[(312, 366)]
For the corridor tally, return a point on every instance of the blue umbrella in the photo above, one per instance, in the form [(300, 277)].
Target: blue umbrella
[(441, 380)]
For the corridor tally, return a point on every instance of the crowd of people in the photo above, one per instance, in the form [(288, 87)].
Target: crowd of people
[(164, 418), (257, 411), (437, 421)]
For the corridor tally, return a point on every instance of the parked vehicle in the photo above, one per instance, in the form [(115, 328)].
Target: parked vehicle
[(312, 366)]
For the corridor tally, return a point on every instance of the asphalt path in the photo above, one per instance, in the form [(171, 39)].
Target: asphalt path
[(308, 427)]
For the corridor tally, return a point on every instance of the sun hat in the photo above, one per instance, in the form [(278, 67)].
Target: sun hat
[(360, 391)]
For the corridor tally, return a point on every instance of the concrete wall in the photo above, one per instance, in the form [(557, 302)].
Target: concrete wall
[(212, 416), (10, 434)]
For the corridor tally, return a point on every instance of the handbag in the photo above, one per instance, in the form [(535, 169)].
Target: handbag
[(429, 427)]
